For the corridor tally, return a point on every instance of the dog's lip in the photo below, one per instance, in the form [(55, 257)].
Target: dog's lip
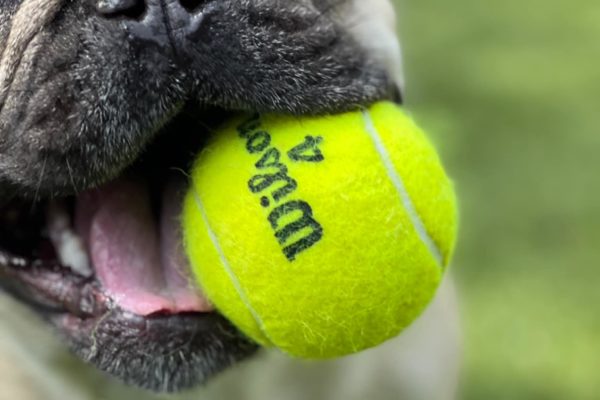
[(53, 288)]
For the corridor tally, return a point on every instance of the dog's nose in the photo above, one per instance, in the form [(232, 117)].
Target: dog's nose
[(159, 21)]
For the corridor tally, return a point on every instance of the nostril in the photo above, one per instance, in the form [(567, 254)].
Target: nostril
[(191, 5), (132, 9)]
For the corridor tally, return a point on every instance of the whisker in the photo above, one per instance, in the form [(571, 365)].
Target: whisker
[(72, 179), (39, 185)]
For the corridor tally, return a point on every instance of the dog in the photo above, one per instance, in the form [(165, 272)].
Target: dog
[(102, 102)]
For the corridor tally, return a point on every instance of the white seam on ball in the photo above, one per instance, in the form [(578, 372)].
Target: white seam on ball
[(232, 276), (398, 183)]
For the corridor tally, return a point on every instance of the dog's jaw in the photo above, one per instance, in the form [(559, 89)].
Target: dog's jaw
[(84, 264), (86, 104)]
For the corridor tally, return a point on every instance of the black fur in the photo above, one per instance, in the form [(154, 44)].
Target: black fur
[(162, 353)]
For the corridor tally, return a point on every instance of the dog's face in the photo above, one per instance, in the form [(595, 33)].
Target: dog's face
[(101, 102)]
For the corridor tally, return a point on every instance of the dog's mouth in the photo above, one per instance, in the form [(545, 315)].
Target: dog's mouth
[(107, 265), (123, 236)]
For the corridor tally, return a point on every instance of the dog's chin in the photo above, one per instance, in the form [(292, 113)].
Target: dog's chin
[(106, 268)]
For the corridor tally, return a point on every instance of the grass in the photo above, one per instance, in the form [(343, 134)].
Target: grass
[(509, 91)]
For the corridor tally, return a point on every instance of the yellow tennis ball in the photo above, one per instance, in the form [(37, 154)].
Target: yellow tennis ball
[(321, 236)]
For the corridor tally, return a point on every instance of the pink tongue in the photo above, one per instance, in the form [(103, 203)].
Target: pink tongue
[(141, 266)]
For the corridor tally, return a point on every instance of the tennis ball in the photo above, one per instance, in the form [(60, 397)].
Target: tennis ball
[(321, 236)]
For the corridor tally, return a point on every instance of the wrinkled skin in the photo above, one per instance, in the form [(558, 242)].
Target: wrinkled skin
[(84, 90)]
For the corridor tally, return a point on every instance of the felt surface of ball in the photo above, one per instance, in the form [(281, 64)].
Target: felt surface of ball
[(321, 236)]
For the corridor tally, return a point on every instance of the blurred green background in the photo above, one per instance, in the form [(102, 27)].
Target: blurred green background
[(510, 91)]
